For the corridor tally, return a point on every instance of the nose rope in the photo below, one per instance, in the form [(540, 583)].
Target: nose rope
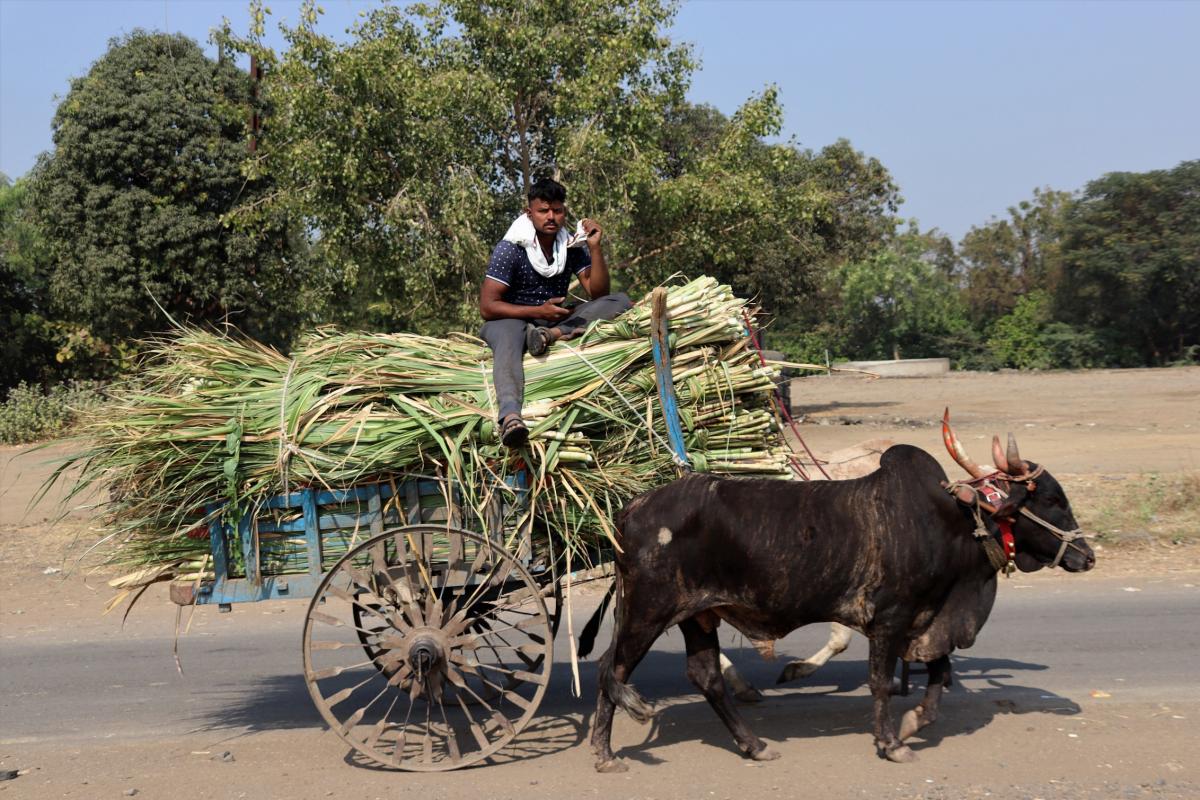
[(1067, 538)]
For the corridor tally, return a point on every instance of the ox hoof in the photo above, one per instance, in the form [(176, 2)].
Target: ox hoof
[(611, 766), (910, 723), (765, 754), (750, 695), (795, 671), (901, 755)]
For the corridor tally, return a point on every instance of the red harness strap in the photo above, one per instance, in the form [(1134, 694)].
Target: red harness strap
[(1006, 537), (995, 496)]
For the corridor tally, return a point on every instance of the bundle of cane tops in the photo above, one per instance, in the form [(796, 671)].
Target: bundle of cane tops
[(217, 419)]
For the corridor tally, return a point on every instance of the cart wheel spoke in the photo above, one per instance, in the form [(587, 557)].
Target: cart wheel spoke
[(457, 640)]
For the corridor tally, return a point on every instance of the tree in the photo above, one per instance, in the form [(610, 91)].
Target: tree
[(769, 219), (1131, 264), (149, 151), (27, 347), (900, 302), (1008, 258), (406, 151)]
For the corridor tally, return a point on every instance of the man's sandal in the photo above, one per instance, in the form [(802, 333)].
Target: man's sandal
[(513, 431), (537, 340)]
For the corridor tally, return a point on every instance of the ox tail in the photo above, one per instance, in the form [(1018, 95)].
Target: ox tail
[(621, 693), (587, 639)]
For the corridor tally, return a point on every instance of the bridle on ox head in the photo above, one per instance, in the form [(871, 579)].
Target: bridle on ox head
[(982, 492)]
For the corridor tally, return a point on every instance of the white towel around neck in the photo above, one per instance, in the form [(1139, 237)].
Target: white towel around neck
[(522, 233)]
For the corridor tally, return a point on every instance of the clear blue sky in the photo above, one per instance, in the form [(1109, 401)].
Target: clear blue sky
[(970, 105)]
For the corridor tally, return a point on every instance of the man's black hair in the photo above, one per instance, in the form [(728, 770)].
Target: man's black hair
[(549, 190)]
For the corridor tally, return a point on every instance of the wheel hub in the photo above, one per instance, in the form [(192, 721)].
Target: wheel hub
[(425, 655)]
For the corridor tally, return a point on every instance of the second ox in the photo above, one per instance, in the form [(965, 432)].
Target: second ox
[(902, 555)]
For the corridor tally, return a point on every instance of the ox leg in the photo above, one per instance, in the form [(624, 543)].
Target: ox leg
[(704, 671), (742, 689), (926, 711), (882, 659), (839, 640), (632, 640)]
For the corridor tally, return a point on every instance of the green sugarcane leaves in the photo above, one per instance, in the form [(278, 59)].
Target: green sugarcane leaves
[(216, 419)]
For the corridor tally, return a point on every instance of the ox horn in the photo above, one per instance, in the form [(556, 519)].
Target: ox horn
[(1015, 463), (998, 455), (957, 452)]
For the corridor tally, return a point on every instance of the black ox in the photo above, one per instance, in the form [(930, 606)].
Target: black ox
[(900, 555)]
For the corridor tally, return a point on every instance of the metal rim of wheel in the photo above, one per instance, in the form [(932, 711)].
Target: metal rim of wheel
[(463, 648)]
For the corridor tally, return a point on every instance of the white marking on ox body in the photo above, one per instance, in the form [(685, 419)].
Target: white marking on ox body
[(664, 536)]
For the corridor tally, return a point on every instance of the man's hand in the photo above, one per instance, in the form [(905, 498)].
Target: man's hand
[(593, 231), (552, 311), (595, 277)]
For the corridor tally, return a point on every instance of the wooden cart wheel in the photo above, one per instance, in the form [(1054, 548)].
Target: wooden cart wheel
[(458, 648)]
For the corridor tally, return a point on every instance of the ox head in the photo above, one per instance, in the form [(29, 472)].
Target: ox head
[(1027, 496)]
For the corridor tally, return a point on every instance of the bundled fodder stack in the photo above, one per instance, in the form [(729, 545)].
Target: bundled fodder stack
[(216, 424)]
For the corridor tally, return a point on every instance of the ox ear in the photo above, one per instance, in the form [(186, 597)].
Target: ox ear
[(1011, 505)]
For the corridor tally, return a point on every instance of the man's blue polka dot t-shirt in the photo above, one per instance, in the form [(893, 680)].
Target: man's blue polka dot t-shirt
[(526, 287)]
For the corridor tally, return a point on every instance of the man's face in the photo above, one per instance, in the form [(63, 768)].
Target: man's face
[(548, 217)]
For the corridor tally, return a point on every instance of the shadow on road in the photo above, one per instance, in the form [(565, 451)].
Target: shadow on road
[(830, 703)]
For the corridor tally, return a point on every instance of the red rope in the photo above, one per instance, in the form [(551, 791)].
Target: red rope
[(785, 413)]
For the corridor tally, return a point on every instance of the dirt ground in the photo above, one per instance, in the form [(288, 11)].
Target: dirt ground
[(1123, 443), (1096, 421)]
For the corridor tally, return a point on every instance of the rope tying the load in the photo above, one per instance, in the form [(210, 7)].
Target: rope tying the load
[(679, 462), (286, 448)]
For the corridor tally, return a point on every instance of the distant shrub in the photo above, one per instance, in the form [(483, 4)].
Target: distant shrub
[(1068, 348), (31, 414), (1190, 356)]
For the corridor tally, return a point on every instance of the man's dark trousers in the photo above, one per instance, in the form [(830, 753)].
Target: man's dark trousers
[(506, 337)]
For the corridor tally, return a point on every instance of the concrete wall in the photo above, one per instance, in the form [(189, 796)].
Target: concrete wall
[(904, 368)]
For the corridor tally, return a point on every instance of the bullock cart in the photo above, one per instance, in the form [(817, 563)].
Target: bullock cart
[(428, 640), (362, 473)]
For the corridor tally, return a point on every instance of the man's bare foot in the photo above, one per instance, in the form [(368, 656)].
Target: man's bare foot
[(513, 432), (539, 339)]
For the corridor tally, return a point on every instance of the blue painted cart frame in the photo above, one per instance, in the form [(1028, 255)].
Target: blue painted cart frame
[(320, 520)]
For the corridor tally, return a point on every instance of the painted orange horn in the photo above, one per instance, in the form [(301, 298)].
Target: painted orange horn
[(1015, 463), (957, 452), (998, 455)]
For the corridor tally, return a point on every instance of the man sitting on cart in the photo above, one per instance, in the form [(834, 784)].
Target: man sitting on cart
[(523, 293)]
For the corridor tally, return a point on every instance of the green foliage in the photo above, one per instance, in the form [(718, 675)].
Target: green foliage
[(1070, 348), (899, 302), (407, 150), (149, 153), (390, 163), (1132, 264), (1006, 258), (27, 346), (1029, 338), (1016, 337), (30, 414)]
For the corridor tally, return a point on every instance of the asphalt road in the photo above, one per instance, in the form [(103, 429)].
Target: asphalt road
[(1052, 642), (1061, 638)]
